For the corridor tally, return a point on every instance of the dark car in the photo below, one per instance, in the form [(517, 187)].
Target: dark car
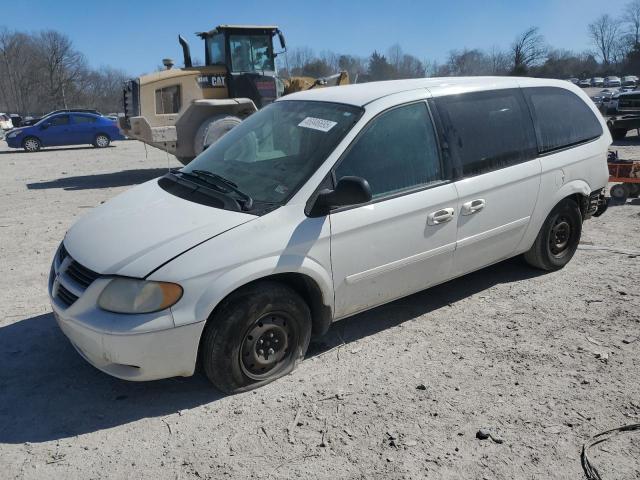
[(59, 129)]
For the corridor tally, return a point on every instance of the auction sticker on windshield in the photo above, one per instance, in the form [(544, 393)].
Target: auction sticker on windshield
[(317, 124)]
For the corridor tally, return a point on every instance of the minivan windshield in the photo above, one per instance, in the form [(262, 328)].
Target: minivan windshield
[(274, 151)]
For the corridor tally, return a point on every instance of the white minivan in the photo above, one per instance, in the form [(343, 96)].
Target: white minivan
[(326, 203)]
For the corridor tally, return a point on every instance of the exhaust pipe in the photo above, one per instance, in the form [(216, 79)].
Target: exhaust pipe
[(186, 52)]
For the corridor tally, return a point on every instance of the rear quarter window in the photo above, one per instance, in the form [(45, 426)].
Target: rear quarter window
[(561, 118), (486, 131)]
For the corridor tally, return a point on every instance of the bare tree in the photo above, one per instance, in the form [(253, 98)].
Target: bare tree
[(499, 61), (604, 36), (527, 50), (62, 65), (631, 16)]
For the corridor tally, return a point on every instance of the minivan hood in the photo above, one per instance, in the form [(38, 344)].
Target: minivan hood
[(139, 230)]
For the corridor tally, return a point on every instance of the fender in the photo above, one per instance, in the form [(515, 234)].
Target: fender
[(221, 284), (547, 200)]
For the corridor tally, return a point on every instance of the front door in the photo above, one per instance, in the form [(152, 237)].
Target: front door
[(403, 240), (56, 131), (491, 142)]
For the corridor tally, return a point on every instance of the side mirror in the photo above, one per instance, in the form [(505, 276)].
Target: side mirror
[(348, 191), (44, 126)]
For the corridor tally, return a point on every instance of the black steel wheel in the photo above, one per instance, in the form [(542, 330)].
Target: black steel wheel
[(256, 335), (266, 346), (558, 239), (560, 236)]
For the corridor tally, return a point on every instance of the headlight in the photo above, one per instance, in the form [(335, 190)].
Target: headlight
[(128, 295), (14, 134)]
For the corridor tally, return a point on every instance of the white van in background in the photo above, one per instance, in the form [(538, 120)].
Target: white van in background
[(5, 122), (326, 203)]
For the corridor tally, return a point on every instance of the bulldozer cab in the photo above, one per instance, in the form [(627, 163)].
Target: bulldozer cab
[(247, 53)]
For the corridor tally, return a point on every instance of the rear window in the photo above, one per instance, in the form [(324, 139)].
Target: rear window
[(83, 119), (486, 131), (562, 119)]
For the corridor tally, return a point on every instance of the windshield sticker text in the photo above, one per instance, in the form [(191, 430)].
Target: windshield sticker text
[(317, 124)]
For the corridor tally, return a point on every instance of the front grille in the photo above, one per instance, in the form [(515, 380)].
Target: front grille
[(69, 278), (80, 274), (65, 296)]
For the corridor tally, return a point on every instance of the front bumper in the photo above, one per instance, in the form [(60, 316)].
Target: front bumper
[(138, 357), (131, 347)]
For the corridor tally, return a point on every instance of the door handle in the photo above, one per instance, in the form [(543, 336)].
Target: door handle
[(440, 216), (473, 206)]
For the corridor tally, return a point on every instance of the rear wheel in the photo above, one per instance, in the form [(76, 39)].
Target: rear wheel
[(258, 334), (101, 141), (619, 192), (31, 144), (558, 238), (212, 129)]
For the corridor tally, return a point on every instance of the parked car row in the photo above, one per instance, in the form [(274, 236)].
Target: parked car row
[(64, 127), (606, 82)]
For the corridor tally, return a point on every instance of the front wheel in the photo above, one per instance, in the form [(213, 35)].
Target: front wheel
[(257, 335), (31, 144), (558, 238), (101, 141)]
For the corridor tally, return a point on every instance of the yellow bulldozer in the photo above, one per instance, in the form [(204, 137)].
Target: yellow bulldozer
[(184, 110)]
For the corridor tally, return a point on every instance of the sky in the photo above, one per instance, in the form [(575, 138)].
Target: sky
[(136, 35)]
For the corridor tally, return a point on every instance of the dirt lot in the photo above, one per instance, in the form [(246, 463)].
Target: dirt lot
[(395, 393)]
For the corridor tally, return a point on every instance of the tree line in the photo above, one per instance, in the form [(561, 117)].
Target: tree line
[(615, 48), (42, 71)]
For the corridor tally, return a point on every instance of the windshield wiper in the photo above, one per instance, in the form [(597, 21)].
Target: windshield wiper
[(222, 184)]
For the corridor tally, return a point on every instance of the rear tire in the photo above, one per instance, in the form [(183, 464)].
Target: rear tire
[(558, 238), (257, 335), (101, 141), (31, 144), (619, 192), (212, 129)]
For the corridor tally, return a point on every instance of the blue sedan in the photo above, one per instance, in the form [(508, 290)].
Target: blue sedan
[(65, 129)]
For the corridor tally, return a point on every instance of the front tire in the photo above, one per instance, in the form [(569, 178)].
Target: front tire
[(257, 335), (558, 238), (101, 141), (31, 144)]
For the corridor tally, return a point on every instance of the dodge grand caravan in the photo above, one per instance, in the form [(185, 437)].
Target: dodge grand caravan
[(324, 204)]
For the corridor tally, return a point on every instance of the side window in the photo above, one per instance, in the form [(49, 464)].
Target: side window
[(562, 119), (168, 100), (60, 120), (81, 120), (396, 152), (486, 131)]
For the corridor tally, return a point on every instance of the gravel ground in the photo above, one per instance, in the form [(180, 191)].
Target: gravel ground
[(542, 361)]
